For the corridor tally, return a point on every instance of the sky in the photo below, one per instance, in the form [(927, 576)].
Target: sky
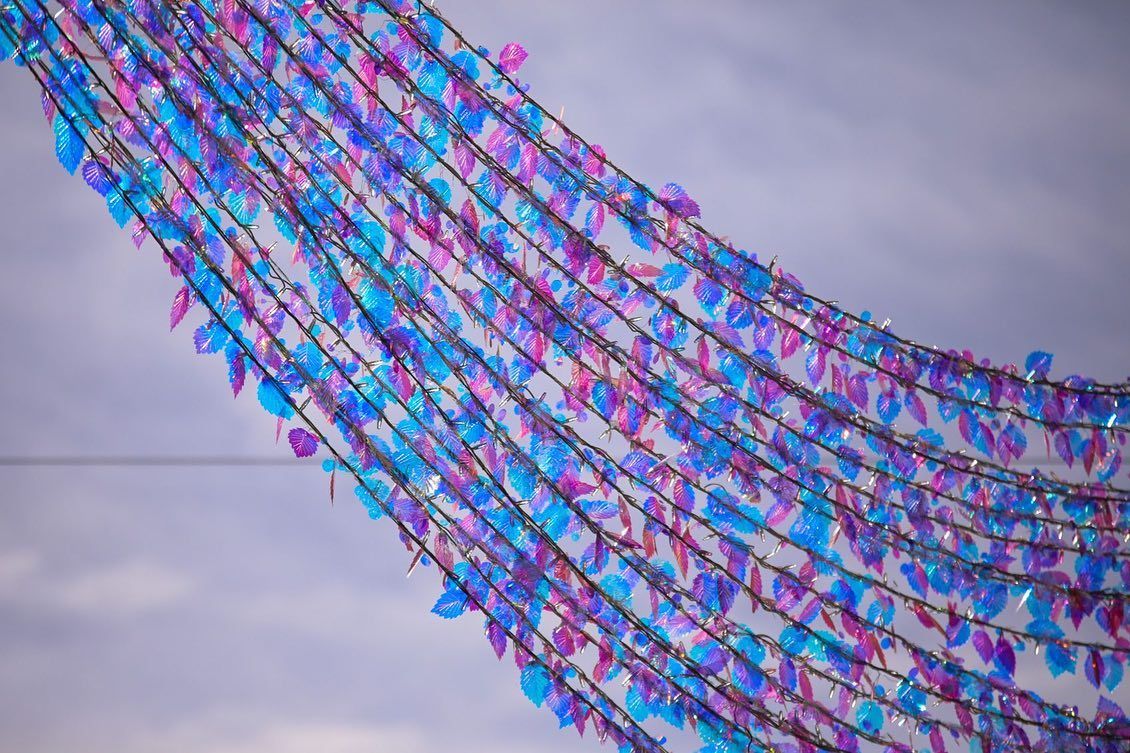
[(959, 168)]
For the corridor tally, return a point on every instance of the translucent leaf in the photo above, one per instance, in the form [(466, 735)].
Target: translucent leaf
[(512, 57), (450, 604), (274, 400), (675, 198), (68, 144), (535, 683), (1038, 364), (672, 278), (302, 442), (181, 301)]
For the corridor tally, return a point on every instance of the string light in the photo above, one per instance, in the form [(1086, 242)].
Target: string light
[(203, 122)]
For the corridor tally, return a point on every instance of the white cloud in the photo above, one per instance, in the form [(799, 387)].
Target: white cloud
[(124, 590), (119, 590), (281, 736), (342, 611), (224, 731), (16, 567)]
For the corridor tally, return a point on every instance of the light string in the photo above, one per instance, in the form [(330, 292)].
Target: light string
[(787, 281), (339, 458), (502, 531)]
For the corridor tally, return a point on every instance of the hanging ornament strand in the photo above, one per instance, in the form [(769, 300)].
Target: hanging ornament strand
[(656, 478)]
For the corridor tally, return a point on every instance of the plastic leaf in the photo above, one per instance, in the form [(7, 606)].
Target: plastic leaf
[(302, 442), (450, 604), (512, 57)]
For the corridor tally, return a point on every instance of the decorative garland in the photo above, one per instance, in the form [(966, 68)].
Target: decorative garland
[(677, 488)]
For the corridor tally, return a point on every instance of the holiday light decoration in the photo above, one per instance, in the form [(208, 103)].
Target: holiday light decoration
[(678, 489)]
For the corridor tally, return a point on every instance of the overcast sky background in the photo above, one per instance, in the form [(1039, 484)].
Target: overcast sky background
[(964, 170)]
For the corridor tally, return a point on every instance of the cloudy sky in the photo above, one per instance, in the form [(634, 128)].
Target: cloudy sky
[(960, 169)]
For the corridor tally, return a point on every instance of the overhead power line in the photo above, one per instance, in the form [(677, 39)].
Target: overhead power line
[(150, 461)]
